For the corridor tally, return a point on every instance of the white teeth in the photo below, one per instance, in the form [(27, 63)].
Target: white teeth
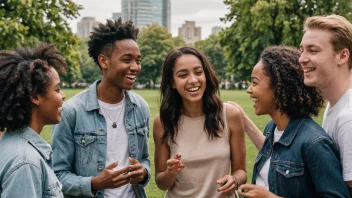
[(193, 89), (61, 108), (130, 76), (255, 100), (308, 69)]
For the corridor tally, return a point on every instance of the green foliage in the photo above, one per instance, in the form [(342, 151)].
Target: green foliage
[(27, 22), (89, 69), (155, 42), (257, 24), (214, 52)]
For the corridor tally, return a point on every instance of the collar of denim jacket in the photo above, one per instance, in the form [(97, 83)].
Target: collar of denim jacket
[(291, 131), (36, 141), (92, 97)]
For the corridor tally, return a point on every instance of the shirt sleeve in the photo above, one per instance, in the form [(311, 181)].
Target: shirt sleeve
[(325, 169), (344, 133), (63, 146), (24, 181), (145, 156)]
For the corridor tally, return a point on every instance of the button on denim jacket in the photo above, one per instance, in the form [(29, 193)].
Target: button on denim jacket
[(304, 162), (25, 166), (79, 141)]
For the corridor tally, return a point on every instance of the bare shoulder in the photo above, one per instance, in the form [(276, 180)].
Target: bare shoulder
[(232, 113)]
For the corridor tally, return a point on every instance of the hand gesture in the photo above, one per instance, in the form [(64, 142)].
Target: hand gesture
[(228, 185), (251, 190), (137, 172), (174, 165), (110, 178)]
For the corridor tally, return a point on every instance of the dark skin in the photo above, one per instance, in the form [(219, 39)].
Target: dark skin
[(119, 71)]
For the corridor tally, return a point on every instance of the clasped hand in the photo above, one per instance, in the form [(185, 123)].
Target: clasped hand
[(174, 165)]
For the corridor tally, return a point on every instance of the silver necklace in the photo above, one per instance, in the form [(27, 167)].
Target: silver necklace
[(114, 125)]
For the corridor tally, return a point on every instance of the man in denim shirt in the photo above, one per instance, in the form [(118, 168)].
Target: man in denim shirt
[(101, 145)]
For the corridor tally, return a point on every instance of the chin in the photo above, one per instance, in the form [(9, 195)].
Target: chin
[(309, 83)]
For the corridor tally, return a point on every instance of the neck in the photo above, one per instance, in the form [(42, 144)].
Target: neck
[(109, 93), (36, 123), (281, 120), (193, 110), (337, 88)]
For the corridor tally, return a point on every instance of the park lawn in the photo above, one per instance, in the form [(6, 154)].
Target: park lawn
[(152, 98)]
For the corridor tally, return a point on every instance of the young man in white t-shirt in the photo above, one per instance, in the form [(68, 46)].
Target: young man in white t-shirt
[(326, 46)]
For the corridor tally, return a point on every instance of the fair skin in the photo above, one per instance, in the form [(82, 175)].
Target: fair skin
[(119, 74), (46, 108), (261, 94), (190, 82), (324, 67)]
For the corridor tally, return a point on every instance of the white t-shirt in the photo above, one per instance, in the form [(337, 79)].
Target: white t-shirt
[(337, 122), (117, 144), (263, 176)]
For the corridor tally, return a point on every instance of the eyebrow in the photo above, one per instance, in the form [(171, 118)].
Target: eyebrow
[(185, 70), (310, 46), (254, 78), (130, 55), (58, 84)]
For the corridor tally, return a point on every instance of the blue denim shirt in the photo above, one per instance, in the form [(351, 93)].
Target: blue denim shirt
[(79, 141), (25, 166), (304, 162)]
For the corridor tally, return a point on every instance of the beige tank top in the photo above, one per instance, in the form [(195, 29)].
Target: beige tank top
[(206, 160)]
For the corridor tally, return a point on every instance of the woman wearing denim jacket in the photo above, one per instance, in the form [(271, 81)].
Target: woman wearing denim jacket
[(297, 158), (30, 98)]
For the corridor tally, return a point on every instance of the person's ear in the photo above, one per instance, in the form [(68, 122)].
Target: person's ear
[(103, 61), (344, 55), (35, 100)]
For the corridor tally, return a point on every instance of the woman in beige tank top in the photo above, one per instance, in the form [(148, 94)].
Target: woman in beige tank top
[(197, 137)]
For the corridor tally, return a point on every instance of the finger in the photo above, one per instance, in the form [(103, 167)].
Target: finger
[(246, 187), (135, 167), (178, 156), (120, 183), (171, 162), (112, 166), (121, 171), (133, 161), (227, 190), (222, 180)]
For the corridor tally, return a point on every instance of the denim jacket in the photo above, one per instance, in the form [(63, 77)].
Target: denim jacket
[(79, 141), (304, 162), (25, 166)]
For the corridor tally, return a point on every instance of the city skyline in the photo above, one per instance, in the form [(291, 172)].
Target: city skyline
[(206, 13)]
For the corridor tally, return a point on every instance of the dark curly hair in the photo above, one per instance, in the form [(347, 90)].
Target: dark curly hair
[(103, 38), (291, 95), (24, 72), (171, 101)]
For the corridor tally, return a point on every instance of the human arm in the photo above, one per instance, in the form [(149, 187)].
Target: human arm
[(325, 169), (166, 169), (250, 128), (237, 152)]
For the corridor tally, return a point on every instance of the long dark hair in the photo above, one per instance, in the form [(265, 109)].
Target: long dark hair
[(171, 101)]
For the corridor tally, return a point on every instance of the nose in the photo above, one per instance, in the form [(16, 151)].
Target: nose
[(63, 95), (249, 89), (303, 59), (135, 66), (192, 79)]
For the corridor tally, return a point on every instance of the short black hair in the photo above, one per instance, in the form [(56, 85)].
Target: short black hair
[(24, 72), (103, 38), (291, 95)]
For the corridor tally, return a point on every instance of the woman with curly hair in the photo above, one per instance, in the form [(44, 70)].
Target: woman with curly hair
[(30, 98), (296, 157), (197, 137)]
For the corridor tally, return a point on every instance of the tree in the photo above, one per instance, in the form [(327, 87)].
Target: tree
[(154, 42), (27, 22), (257, 24), (89, 69), (214, 52)]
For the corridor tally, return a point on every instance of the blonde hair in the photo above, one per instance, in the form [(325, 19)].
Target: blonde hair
[(340, 28)]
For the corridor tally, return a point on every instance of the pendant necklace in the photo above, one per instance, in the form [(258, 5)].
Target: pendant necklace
[(114, 125)]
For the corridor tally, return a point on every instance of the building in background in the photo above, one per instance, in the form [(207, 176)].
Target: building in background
[(116, 15), (85, 26), (145, 12), (189, 32), (216, 29)]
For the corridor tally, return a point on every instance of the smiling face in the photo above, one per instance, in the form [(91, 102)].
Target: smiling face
[(50, 103), (124, 65), (261, 92), (318, 58), (189, 78)]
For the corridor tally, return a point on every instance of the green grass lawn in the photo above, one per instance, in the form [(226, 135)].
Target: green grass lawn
[(152, 97)]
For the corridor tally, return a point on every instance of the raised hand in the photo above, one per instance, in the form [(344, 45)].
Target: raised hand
[(137, 172), (174, 165), (110, 178)]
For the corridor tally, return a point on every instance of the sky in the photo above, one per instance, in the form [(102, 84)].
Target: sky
[(206, 13)]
